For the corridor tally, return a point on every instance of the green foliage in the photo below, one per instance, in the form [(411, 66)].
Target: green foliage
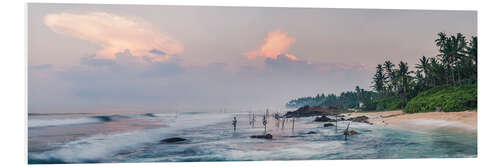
[(349, 99), (369, 105), (389, 103), (455, 65), (448, 98)]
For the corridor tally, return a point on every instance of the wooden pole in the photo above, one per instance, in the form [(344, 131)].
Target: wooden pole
[(336, 123), (283, 123), (253, 119), (346, 131), (264, 122), (276, 117)]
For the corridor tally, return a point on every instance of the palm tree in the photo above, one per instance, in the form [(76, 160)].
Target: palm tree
[(358, 93), (419, 83), (437, 72), (471, 52), (424, 67), (403, 79), (451, 51), (389, 74), (378, 79)]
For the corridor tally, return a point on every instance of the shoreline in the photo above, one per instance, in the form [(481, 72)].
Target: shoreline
[(397, 119)]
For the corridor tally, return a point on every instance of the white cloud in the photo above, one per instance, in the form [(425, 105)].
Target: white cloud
[(115, 34)]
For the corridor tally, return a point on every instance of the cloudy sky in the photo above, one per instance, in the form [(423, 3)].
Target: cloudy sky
[(103, 57)]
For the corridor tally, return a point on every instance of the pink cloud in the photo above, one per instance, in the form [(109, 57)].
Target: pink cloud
[(115, 34), (275, 43)]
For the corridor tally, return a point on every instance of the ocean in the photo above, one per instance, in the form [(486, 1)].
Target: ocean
[(135, 137)]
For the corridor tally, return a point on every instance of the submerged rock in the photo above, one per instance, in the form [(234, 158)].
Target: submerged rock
[(362, 119), (266, 136), (173, 140), (328, 125), (311, 132), (352, 132), (322, 119)]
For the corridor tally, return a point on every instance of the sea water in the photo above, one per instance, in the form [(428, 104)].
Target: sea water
[(96, 138)]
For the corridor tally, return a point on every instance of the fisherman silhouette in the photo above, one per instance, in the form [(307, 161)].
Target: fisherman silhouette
[(264, 122), (234, 123), (253, 119)]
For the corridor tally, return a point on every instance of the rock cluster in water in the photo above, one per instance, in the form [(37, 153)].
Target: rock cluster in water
[(323, 119), (266, 136), (362, 119), (328, 125), (351, 132), (308, 111), (173, 140)]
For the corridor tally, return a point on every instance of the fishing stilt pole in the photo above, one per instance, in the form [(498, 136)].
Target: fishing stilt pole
[(346, 131), (336, 123), (264, 122), (267, 113), (283, 123), (234, 124), (276, 117), (253, 119)]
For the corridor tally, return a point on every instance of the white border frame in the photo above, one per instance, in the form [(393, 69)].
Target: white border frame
[(13, 66)]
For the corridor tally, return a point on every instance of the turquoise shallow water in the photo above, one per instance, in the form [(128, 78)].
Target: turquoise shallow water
[(135, 138)]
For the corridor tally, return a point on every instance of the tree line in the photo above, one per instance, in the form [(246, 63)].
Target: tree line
[(395, 84), (456, 64), (348, 99)]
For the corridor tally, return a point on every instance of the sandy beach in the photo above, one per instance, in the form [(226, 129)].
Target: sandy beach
[(465, 120)]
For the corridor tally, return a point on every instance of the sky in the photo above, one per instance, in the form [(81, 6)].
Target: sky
[(85, 57)]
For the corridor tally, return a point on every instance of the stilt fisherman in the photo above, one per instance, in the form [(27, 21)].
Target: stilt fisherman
[(234, 123)]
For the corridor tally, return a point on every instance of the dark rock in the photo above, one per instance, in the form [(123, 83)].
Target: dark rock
[(172, 140), (362, 119), (352, 132), (322, 119), (266, 136), (308, 111), (311, 132), (328, 125), (296, 136)]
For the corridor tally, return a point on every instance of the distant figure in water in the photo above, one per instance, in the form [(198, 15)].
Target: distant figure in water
[(253, 120), (249, 118), (277, 117), (264, 122), (234, 123)]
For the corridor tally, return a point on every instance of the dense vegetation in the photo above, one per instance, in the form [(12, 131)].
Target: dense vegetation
[(446, 98), (447, 81), (349, 99)]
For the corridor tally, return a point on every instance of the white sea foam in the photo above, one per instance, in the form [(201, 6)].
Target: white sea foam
[(33, 123), (441, 124), (100, 147), (326, 144)]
